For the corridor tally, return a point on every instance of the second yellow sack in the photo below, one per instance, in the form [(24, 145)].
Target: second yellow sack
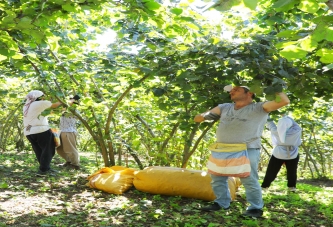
[(179, 182)]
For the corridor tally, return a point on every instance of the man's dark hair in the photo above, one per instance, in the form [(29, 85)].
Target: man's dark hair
[(77, 99)]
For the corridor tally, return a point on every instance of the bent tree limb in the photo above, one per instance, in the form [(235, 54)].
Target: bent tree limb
[(308, 155), (171, 134), (115, 105), (266, 142), (6, 128), (146, 125), (132, 153), (330, 4), (108, 160), (111, 113), (319, 151), (144, 142), (189, 152)]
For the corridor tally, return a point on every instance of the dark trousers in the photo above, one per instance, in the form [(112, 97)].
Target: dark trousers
[(274, 167), (44, 148)]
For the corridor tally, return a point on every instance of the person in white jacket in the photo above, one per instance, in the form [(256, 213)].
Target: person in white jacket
[(286, 139)]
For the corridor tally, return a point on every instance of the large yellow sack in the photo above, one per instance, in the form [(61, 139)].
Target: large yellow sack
[(115, 179), (179, 182)]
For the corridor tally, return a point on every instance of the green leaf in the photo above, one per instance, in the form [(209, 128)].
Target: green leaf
[(251, 4), (283, 73), (87, 101), (2, 57), (329, 34), (190, 19), (13, 95), (158, 92), (328, 67), (293, 52), (18, 56), (163, 106), (326, 55), (32, 55), (4, 92), (176, 11), (309, 6), (277, 99), (271, 90), (68, 7), (214, 40), (256, 87), (276, 19), (308, 44), (323, 19), (227, 5), (193, 26), (53, 42), (24, 23), (37, 36), (46, 112), (9, 18), (285, 44), (3, 185), (286, 34), (319, 33), (152, 5), (282, 3)]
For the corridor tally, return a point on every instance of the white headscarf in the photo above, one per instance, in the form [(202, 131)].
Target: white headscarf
[(31, 97)]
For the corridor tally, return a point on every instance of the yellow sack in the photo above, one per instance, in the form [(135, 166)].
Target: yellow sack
[(115, 179), (56, 134), (179, 182)]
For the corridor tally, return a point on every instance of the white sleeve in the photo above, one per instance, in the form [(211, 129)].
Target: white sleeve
[(43, 104), (283, 125)]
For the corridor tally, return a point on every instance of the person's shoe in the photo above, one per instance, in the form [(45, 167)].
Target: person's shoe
[(213, 207), (292, 189), (256, 213), (264, 189), (44, 173), (66, 164), (53, 171), (41, 173), (71, 166)]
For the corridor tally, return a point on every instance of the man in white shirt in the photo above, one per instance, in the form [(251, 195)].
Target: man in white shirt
[(286, 138), (37, 130)]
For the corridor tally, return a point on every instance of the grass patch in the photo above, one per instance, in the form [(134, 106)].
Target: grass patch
[(65, 201)]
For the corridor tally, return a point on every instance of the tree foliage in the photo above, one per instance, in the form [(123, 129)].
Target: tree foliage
[(165, 64)]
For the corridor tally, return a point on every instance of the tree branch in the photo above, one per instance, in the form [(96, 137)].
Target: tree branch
[(330, 4)]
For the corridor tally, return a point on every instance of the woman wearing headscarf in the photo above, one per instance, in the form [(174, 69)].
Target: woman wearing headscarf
[(68, 149), (37, 129), (286, 139)]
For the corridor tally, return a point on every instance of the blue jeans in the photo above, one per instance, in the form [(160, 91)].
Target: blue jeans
[(251, 185)]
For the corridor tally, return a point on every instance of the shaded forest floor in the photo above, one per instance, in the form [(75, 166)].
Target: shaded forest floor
[(65, 200)]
